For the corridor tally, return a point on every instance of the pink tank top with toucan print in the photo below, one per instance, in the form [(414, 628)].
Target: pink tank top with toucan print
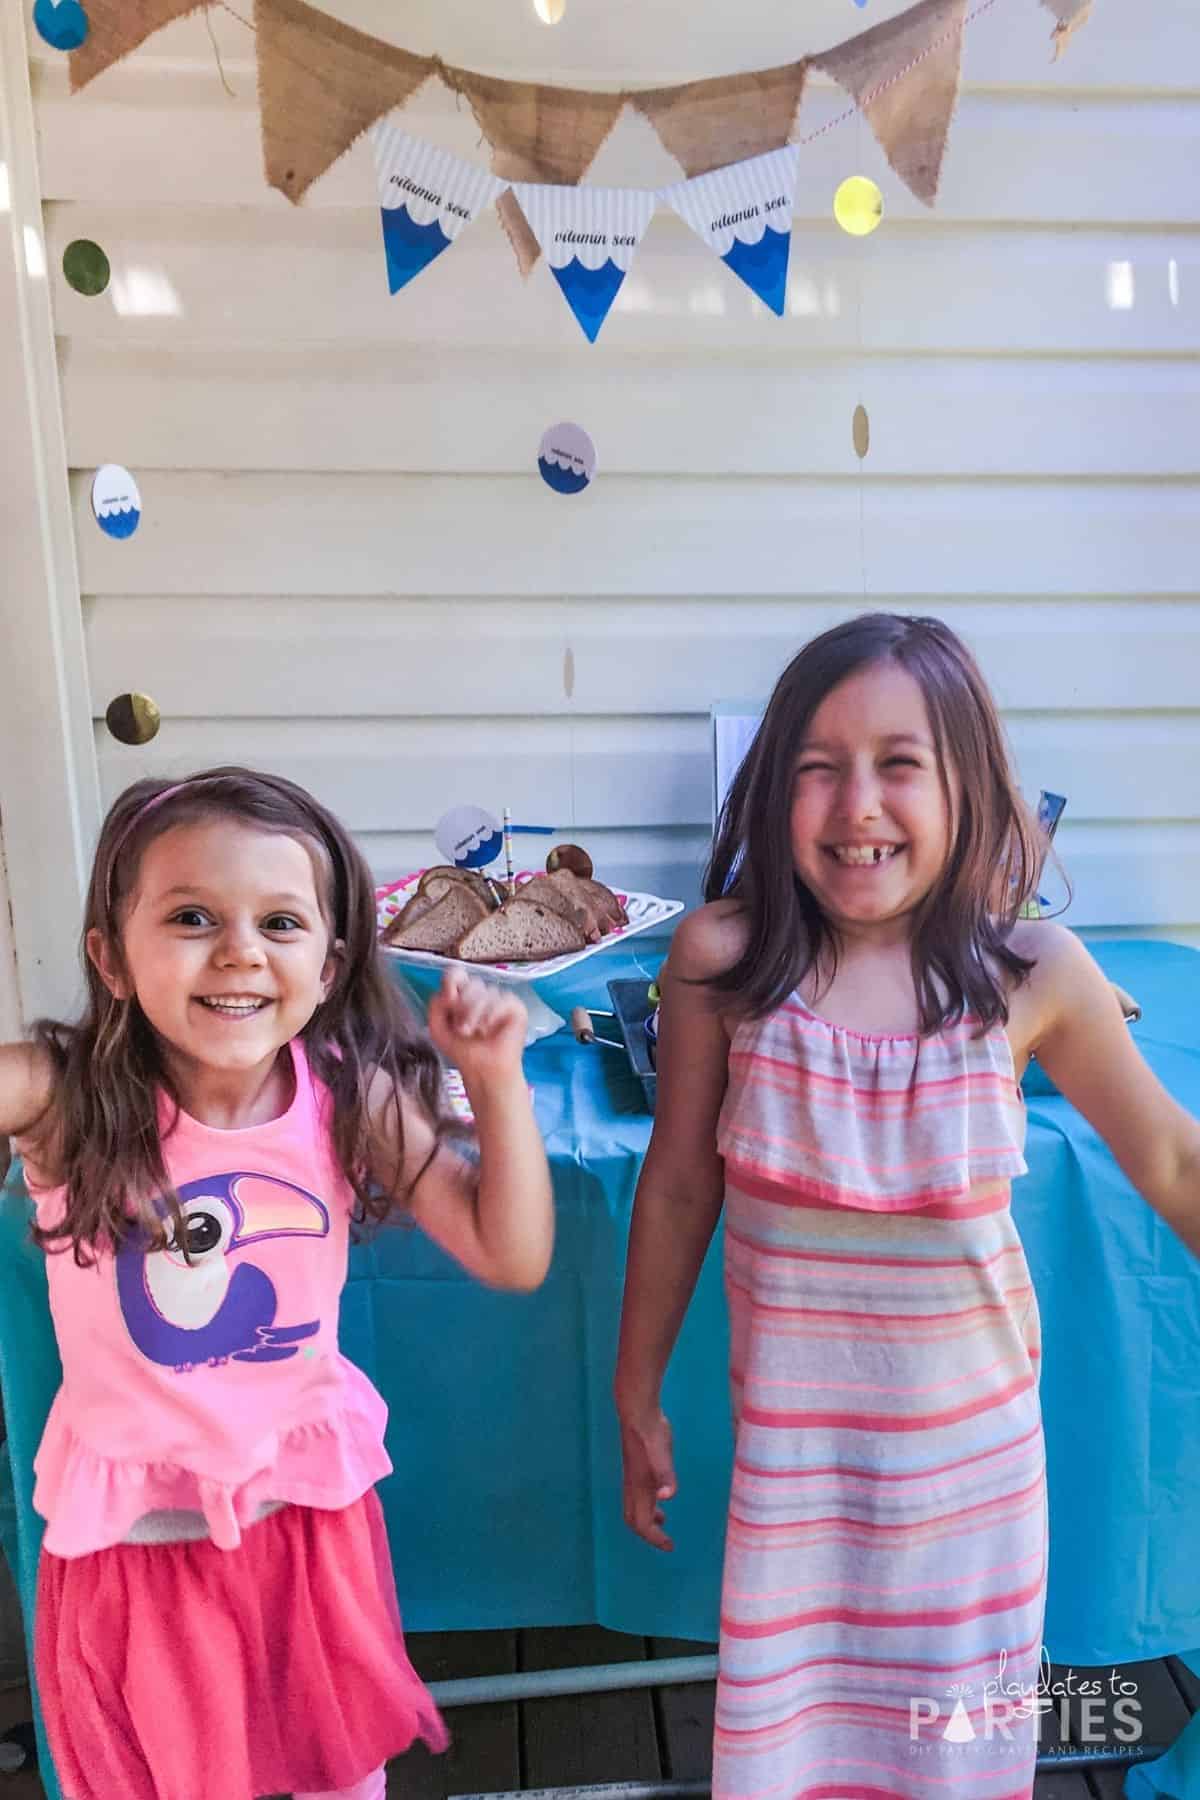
[(213, 1386)]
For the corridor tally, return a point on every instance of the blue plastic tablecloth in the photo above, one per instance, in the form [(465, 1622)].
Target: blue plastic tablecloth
[(505, 1507)]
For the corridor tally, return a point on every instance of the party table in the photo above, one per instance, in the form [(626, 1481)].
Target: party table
[(504, 1510)]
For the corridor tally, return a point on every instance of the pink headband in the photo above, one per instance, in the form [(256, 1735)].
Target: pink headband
[(142, 812), (156, 800)]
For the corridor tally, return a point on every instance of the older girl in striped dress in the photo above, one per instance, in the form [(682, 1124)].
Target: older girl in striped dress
[(843, 1030)]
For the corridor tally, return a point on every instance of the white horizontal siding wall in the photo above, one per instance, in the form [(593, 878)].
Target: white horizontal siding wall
[(349, 571)]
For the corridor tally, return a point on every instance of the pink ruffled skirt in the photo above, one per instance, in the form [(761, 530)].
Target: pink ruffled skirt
[(184, 1672)]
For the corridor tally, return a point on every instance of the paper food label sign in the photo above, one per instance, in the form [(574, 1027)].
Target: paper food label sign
[(589, 237), (1049, 811), (468, 836), (427, 196), (744, 213)]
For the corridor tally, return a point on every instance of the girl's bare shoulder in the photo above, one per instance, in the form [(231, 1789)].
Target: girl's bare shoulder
[(1047, 945), (1064, 976), (708, 941)]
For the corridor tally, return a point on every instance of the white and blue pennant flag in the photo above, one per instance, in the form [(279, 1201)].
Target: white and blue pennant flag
[(744, 213), (589, 237), (426, 196)]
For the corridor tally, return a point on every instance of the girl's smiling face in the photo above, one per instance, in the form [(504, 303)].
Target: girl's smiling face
[(226, 945), (871, 822)]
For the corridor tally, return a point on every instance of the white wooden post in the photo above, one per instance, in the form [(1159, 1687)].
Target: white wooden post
[(10, 994), (49, 789)]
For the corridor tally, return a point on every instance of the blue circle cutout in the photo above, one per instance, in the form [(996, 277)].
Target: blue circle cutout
[(62, 24)]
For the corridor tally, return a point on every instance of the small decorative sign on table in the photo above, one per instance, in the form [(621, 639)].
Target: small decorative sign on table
[(1050, 809)]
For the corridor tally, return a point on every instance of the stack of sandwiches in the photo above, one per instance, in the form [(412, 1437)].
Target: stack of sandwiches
[(461, 913)]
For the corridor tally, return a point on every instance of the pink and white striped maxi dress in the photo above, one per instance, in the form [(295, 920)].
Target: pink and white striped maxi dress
[(885, 1561)]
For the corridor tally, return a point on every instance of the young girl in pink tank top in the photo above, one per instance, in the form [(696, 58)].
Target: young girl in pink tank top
[(216, 1615), (842, 1033)]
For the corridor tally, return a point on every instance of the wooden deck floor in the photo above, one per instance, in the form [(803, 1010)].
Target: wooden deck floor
[(653, 1734), (633, 1735)]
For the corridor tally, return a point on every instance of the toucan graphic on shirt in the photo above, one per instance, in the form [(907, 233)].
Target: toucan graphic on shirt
[(217, 1307)]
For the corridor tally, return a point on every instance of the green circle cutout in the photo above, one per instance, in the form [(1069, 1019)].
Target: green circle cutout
[(86, 267)]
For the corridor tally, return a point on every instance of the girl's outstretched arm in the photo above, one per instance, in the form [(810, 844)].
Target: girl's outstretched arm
[(1085, 1047), (496, 1215), (26, 1079), (675, 1212)]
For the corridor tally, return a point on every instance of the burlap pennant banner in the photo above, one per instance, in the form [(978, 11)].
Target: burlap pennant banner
[(322, 84), (745, 215), (1071, 14), (709, 124), (426, 197), (904, 75), (589, 236)]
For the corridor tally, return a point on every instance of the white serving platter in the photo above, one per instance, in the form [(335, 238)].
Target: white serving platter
[(645, 911)]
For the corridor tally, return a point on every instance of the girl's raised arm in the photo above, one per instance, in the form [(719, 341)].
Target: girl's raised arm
[(494, 1215), (1085, 1047)]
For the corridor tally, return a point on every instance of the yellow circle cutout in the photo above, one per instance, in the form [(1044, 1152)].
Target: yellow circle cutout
[(858, 205)]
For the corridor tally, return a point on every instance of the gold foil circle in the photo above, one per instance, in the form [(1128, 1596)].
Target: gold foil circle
[(132, 718), (861, 432)]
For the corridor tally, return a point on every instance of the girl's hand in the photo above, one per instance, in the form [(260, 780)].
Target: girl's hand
[(649, 1475), (479, 1028), (492, 1209)]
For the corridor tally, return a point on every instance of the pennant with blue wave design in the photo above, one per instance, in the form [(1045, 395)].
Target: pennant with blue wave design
[(744, 213), (427, 196), (589, 236)]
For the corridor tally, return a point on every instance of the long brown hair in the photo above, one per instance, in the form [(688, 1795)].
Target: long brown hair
[(960, 950), (102, 1125)]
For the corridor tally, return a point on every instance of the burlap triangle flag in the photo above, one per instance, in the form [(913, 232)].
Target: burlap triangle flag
[(115, 27), (518, 231), (539, 134), (1071, 14), (904, 75), (320, 85), (707, 125)]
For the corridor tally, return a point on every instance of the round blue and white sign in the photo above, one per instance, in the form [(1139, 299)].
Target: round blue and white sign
[(116, 501), (469, 837), (567, 458)]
